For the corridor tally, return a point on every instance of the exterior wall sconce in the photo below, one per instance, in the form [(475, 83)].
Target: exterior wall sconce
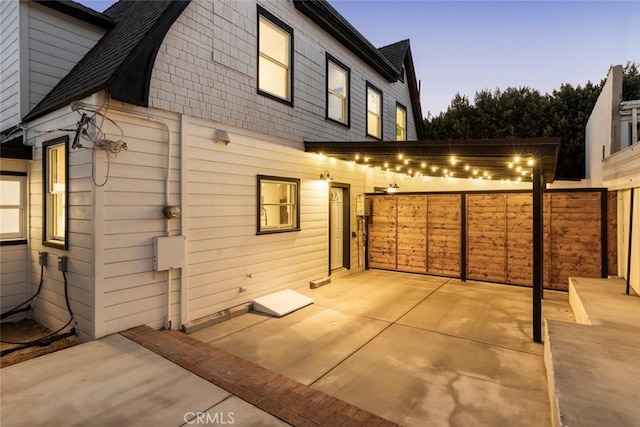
[(393, 187), (325, 176), (221, 137)]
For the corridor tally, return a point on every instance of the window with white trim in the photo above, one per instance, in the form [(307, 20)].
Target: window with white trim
[(338, 76), (278, 209), (275, 54), (374, 112), (13, 201), (401, 122), (55, 189)]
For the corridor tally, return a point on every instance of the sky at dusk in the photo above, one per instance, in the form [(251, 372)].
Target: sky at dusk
[(467, 46)]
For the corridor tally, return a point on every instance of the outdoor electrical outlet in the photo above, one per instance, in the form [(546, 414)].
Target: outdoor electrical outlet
[(62, 263), (42, 258)]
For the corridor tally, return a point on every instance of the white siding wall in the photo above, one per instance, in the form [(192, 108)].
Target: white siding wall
[(51, 309), (13, 278), (56, 43), (624, 212), (131, 293), (9, 64), (207, 68)]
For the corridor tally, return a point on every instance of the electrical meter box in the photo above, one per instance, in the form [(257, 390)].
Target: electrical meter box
[(168, 253), (360, 205)]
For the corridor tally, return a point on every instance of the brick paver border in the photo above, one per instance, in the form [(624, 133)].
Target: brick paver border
[(284, 398)]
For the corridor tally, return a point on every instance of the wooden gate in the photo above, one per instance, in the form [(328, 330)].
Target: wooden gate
[(488, 236)]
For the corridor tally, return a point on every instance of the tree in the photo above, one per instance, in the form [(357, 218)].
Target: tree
[(525, 113)]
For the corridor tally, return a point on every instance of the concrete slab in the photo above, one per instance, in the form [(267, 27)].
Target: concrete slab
[(594, 374), (382, 295), (305, 344), (109, 382), (491, 313), (604, 302), (417, 378), (229, 327)]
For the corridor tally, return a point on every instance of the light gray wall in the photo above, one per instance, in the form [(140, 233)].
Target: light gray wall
[(9, 64), (56, 43), (601, 131), (206, 68), (38, 47)]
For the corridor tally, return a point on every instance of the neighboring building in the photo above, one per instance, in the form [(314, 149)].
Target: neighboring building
[(185, 191), (613, 161)]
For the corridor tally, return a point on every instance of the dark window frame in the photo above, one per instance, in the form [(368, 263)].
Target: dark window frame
[(46, 204), (406, 119), (330, 58), (296, 226), (375, 89), (262, 12)]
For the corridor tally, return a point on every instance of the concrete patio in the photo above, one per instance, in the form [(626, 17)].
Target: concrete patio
[(416, 350), (375, 347)]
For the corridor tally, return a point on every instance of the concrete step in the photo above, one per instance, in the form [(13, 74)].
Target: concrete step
[(593, 368)]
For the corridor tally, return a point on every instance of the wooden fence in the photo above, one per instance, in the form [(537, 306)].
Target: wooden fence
[(488, 236)]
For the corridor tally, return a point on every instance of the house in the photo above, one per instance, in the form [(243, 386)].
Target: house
[(612, 157), (157, 153)]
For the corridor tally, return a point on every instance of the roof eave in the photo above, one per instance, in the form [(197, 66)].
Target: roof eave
[(333, 23), (80, 12)]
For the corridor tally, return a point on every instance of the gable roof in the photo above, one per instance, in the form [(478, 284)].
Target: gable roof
[(123, 58), (399, 54), (396, 52)]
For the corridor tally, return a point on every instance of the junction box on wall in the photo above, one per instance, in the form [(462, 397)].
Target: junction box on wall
[(168, 252)]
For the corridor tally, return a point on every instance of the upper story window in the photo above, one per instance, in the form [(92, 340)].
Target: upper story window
[(275, 58), (55, 192), (401, 122), (374, 111), (13, 200), (338, 91)]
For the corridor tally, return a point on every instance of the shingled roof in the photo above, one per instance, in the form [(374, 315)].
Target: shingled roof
[(123, 58), (396, 53)]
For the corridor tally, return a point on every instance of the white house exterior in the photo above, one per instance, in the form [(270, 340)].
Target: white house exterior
[(179, 83), (613, 161)]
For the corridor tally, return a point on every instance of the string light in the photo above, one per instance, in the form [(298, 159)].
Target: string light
[(467, 167), (423, 165)]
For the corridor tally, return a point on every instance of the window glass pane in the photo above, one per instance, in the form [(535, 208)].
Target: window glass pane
[(337, 80), (373, 102), (373, 125), (401, 124), (274, 42), (55, 197), (10, 193), (337, 110), (273, 78), (10, 221)]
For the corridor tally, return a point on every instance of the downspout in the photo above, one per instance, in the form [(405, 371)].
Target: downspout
[(91, 107)]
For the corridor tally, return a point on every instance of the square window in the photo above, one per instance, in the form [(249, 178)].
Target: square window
[(401, 123), (374, 112), (338, 77), (55, 192), (275, 53), (13, 199), (278, 209)]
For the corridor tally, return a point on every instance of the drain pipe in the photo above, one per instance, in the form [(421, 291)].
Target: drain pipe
[(96, 108)]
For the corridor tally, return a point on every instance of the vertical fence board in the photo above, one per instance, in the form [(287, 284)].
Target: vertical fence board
[(422, 233)]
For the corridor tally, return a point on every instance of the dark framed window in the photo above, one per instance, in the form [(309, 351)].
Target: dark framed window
[(338, 79), (55, 169), (374, 111), (401, 122), (13, 202), (275, 58), (278, 204)]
